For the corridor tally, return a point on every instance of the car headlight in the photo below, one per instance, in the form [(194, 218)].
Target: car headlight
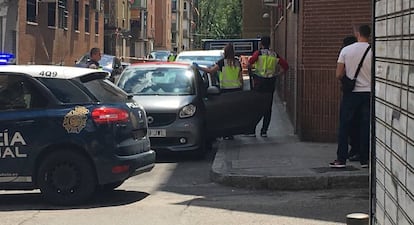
[(187, 111)]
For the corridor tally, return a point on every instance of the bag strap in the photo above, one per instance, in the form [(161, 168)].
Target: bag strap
[(360, 63)]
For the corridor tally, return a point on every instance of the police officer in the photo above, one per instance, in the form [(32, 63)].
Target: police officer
[(230, 73), (94, 57), (267, 65), (171, 57)]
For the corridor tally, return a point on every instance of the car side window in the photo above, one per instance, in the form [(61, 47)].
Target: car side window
[(66, 91), (17, 92)]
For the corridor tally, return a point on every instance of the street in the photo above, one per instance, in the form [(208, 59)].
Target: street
[(179, 191)]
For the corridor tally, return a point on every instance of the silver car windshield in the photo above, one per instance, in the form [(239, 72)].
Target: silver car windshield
[(157, 81)]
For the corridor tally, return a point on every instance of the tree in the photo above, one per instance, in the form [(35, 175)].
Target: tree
[(219, 19)]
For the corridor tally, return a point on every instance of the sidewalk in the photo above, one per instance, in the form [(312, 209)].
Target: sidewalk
[(281, 161)]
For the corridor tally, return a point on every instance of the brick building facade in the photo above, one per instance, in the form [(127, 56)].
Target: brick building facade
[(58, 32), (309, 35)]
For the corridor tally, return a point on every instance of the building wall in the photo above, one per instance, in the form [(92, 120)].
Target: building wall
[(321, 27), (40, 44), (253, 23), (162, 25), (150, 24), (394, 112)]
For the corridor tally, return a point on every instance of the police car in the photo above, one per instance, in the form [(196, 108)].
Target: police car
[(68, 131)]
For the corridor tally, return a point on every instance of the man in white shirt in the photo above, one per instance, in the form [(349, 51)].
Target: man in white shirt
[(355, 104)]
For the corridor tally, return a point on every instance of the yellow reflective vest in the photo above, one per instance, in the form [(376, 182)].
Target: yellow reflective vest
[(266, 64), (171, 58), (229, 76)]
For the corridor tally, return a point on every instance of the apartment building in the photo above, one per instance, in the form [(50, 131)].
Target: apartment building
[(162, 38), (181, 17), (51, 31)]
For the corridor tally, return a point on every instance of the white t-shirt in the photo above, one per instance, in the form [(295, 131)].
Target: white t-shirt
[(351, 55)]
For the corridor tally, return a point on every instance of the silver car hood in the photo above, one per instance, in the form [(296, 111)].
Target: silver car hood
[(163, 104)]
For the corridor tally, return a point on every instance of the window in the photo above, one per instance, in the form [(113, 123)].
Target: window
[(66, 91), (31, 11), (174, 5), (87, 18), (63, 13), (18, 93), (76, 16), (96, 22), (51, 14)]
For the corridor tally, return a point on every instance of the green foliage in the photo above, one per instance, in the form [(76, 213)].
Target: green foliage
[(219, 19)]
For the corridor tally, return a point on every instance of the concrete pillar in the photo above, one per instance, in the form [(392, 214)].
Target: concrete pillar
[(357, 219)]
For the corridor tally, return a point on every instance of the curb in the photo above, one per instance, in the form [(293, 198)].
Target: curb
[(290, 183), (219, 173)]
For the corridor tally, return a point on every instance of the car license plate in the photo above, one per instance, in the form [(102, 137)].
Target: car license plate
[(157, 132)]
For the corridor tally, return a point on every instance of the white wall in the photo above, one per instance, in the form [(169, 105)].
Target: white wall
[(394, 111)]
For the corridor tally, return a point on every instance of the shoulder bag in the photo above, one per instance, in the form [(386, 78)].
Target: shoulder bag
[(348, 84)]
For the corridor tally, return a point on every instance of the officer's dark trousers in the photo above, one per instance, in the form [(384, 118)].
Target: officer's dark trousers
[(354, 105), (266, 85)]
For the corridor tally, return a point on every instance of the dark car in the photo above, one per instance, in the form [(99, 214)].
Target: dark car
[(108, 63), (68, 131), (185, 109)]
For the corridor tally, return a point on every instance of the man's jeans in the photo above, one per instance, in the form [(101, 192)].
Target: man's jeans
[(354, 105)]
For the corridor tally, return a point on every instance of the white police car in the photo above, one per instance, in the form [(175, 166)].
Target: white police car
[(68, 131)]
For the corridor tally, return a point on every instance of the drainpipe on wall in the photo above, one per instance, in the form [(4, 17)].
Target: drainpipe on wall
[(372, 166)]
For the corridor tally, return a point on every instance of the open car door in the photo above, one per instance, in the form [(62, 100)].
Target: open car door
[(234, 113)]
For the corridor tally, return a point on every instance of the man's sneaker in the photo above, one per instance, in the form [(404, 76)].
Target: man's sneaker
[(337, 164), (263, 134), (364, 165)]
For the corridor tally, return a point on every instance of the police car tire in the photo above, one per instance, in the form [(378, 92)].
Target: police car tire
[(72, 165)]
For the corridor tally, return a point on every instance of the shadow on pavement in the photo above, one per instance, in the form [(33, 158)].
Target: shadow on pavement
[(33, 200)]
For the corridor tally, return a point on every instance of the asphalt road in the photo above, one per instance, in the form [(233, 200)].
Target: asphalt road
[(179, 192)]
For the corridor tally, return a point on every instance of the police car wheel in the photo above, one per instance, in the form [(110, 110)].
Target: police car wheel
[(66, 178)]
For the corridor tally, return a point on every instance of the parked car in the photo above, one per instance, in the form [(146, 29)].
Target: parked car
[(109, 63), (185, 109), (68, 132), (200, 55)]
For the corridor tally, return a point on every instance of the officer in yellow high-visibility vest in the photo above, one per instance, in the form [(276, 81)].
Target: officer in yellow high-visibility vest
[(229, 69), (171, 57), (230, 73), (267, 65)]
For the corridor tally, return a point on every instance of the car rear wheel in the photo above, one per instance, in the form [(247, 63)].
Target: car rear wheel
[(66, 178)]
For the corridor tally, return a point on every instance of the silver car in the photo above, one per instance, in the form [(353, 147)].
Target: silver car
[(185, 110)]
